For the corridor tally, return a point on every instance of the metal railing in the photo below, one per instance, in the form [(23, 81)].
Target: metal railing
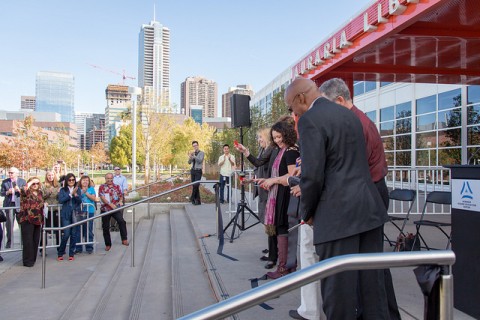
[(333, 266), (423, 180), (131, 205)]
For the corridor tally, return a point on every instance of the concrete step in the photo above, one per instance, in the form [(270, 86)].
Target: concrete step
[(112, 279), (191, 287), (153, 297)]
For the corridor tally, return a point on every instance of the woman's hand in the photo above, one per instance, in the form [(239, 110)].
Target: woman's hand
[(267, 183)]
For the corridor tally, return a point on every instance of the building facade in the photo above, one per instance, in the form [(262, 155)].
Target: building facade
[(423, 125), (244, 89), (27, 103), (199, 91), (154, 65), (55, 93), (118, 103), (94, 130)]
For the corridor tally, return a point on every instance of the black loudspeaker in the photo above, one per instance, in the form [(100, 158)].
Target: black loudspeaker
[(240, 110)]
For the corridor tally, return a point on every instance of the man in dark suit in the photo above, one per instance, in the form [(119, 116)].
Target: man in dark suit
[(10, 190), (340, 199)]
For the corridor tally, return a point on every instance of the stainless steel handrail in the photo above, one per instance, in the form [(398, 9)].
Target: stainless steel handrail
[(44, 263), (330, 267)]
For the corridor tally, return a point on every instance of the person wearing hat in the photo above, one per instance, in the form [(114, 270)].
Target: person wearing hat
[(31, 219)]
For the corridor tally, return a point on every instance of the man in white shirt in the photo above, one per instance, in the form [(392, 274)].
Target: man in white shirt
[(226, 162)]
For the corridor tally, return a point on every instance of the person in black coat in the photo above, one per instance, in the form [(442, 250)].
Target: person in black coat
[(339, 199)]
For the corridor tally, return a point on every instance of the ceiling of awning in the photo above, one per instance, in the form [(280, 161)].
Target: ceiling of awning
[(439, 45)]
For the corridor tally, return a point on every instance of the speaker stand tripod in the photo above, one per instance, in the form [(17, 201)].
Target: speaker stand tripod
[(242, 205)]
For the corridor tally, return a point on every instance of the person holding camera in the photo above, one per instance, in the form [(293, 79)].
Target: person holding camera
[(10, 190), (195, 158), (226, 162)]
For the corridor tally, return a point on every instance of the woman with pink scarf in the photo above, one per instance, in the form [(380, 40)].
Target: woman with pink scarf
[(276, 218)]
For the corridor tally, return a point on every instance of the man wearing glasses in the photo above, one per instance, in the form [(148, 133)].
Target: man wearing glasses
[(11, 191), (340, 200)]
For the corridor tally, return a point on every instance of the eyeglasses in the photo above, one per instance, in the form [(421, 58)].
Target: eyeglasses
[(11, 172), (71, 179), (290, 107), (35, 184)]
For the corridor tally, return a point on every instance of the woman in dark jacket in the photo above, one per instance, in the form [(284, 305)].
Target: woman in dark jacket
[(263, 163), (70, 200), (31, 219)]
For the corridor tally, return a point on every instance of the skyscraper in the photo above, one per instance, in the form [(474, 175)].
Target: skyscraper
[(118, 102), (55, 93), (244, 89), (199, 91), (154, 65)]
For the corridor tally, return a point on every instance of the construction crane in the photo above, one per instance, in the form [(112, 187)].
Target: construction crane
[(124, 76)]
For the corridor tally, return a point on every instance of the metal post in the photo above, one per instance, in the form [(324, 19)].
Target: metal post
[(44, 260), (446, 297), (132, 243), (148, 204), (134, 144)]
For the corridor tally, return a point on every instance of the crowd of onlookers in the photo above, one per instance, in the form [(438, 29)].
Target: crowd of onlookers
[(59, 201)]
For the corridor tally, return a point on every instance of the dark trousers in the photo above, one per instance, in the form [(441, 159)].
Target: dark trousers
[(9, 224), (30, 239), (272, 248), (223, 181), (392, 300), (345, 292), (106, 226), (196, 174)]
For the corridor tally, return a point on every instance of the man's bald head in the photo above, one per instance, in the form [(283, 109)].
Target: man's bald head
[(300, 94)]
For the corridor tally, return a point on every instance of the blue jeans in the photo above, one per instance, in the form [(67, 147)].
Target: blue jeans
[(68, 234), (224, 180), (87, 233)]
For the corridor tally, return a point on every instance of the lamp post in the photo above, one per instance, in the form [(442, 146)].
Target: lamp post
[(78, 165), (134, 91), (92, 166)]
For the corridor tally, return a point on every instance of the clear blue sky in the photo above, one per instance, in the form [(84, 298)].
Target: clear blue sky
[(230, 42)]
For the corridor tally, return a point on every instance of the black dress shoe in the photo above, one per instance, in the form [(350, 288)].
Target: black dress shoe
[(1, 259), (269, 265), (264, 258), (294, 314), (265, 250)]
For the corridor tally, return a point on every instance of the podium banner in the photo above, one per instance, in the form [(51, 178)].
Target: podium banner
[(466, 194)]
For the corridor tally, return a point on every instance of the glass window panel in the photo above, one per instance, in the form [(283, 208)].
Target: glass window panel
[(449, 99), (403, 142), (427, 104), (358, 88), (423, 157), (426, 122), (372, 115), (388, 143), (404, 126), (386, 114), (426, 140), (389, 156), (473, 136), (450, 119), (385, 83), (473, 94), (386, 128), (403, 158), (370, 86), (449, 156), (450, 138), (473, 114), (473, 156), (404, 110)]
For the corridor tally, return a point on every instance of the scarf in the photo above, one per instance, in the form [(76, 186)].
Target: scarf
[(272, 197)]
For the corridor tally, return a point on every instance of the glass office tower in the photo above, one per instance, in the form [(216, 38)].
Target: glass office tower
[(55, 93)]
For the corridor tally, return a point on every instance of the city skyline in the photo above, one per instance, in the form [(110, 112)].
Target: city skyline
[(229, 44)]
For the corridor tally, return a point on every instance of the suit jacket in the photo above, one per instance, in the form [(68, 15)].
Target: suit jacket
[(336, 186), (6, 185)]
